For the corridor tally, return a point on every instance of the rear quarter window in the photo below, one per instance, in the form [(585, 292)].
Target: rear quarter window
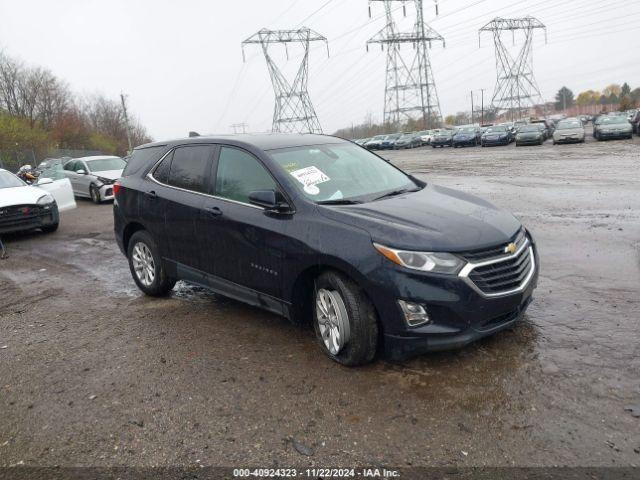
[(141, 158)]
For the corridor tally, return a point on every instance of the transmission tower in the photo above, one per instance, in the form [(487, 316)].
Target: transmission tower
[(410, 89), (516, 88), (293, 112)]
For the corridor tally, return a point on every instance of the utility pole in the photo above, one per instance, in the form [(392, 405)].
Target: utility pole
[(482, 107), (471, 107), (293, 112), (410, 86), (516, 88), (126, 120)]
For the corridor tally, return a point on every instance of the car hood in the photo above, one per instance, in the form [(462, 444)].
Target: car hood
[(20, 196), (615, 126), (435, 218), (110, 174), (496, 134)]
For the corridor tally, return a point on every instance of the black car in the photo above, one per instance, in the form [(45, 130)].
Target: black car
[(318, 229), (443, 138), (497, 135), (467, 136), (635, 122), (389, 141)]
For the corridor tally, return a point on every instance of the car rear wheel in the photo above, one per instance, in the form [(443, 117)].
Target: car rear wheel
[(146, 265), (345, 321), (95, 194)]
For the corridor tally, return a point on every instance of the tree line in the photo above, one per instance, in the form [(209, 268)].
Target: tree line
[(620, 95), (39, 113)]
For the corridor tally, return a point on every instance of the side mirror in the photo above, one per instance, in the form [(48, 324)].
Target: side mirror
[(81, 172), (44, 181), (269, 200)]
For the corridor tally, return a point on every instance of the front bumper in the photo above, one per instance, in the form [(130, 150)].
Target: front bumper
[(459, 313), (20, 218), (106, 192), (495, 141), (614, 135), (529, 141), (465, 142), (568, 139)]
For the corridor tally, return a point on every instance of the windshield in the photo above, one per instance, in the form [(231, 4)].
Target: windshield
[(106, 164), (379, 137), (529, 128), (569, 125), (340, 172), (612, 120), (393, 137), (467, 130), (9, 180), (498, 129), (443, 134)]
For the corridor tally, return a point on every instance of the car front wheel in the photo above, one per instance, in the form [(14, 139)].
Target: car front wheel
[(95, 194), (345, 321), (146, 265)]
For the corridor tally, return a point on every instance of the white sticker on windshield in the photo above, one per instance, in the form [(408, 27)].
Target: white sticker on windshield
[(310, 176), (312, 190)]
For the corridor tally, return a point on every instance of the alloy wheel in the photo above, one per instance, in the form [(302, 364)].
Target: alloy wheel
[(143, 264), (333, 320)]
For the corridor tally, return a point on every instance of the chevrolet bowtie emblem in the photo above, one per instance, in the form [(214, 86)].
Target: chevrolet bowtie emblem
[(511, 248)]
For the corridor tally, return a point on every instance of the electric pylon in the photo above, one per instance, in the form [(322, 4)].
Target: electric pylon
[(293, 112), (410, 86), (516, 88)]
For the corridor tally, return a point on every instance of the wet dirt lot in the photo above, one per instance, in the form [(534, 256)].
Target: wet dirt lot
[(94, 373)]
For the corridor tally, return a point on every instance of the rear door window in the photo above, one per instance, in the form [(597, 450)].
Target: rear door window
[(240, 173), (190, 167)]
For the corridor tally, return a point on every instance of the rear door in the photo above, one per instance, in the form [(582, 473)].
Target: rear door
[(246, 243), (187, 175)]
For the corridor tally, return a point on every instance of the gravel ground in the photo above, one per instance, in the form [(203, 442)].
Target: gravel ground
[(92, 373)]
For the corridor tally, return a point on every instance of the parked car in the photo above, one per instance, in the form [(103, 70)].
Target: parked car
[(425, 137), (443, 138), (611, 127), (532, 134), (497, 135), (318, 229), (635, 123), (467, 136), (548, 127), (374, 142), (28, 207), (569, 131), (389, 142), (408, 140), (93, 177)]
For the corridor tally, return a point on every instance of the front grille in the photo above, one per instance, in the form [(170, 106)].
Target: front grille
[(477, 256), (505, 275), (19, 213)]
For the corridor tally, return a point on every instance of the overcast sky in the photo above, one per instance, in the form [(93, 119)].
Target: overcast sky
[(181, 64)]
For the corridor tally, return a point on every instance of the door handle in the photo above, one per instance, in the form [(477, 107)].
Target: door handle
[(214, 211), (151, 194)]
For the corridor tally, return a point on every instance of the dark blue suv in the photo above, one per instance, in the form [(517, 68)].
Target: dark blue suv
[(321, 230)]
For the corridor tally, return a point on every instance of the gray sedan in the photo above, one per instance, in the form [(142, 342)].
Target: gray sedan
[(569, 131), (93, 177)]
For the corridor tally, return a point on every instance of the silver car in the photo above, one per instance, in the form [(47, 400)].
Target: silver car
[(93, 177), (569, 131)]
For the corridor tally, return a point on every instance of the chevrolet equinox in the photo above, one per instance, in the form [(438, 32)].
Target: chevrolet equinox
[(319, 229)]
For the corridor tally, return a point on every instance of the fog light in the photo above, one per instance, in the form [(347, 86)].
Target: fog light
[(414, 313)]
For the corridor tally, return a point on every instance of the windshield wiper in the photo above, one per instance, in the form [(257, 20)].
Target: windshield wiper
[(341, 201), (396, 192)]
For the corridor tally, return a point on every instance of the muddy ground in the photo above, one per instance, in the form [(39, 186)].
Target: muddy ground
[(94, 373)]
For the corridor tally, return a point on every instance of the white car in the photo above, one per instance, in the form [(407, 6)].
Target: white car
[(27, 207), (93, 177)]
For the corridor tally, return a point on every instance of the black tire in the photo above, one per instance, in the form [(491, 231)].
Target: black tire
[(162, 284), (363, 322), (50, 228), (94, 193)]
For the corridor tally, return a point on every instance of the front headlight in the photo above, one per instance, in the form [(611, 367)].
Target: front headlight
[(45, 200), (106, 181), (437, 262)]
